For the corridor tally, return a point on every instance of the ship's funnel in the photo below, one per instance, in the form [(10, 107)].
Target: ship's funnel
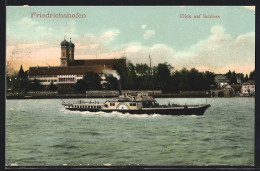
[(119, 87)]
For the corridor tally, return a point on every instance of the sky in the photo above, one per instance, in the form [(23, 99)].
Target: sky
[(208, 44)]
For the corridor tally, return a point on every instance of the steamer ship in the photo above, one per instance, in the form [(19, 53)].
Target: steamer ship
[(140, 104)]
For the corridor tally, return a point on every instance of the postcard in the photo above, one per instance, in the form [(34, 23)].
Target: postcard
[(130, 86)]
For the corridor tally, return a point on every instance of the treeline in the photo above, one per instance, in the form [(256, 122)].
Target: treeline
[(19, 83), (233, 77), (164, 77), (136, 77)]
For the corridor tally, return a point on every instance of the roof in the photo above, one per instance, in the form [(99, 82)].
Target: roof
[(64, 43), (78, 67), (106, 62), (221, 78), (250, 82), (227, 86), (61, 70), (71, 44)]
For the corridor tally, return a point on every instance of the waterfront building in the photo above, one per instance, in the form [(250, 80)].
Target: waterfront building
[(221, 80), (248, 88), (228, 91), (224, 91), (71, 70)]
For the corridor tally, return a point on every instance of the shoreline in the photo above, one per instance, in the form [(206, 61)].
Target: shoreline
[(93, 97), (111, 94)]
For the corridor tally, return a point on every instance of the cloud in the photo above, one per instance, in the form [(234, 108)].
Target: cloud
[(148, 34), (91, 44), (217, 38), (109, 35), (44, 53), (138, 53), (217, 29), (27, 23), (219, 52), (143, 26), (26, 56), (132, 48), (250, 7)]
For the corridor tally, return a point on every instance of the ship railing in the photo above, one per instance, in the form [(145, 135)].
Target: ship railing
[(178, 105), (89, 102)]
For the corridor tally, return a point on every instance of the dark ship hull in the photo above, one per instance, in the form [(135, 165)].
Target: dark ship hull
[(180, 110)]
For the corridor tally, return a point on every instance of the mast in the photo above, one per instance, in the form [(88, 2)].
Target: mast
[(151, 73), (206, 96), (150, 63)]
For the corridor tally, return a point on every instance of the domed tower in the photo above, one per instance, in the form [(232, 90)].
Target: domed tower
[(71, 51), (64, 53)]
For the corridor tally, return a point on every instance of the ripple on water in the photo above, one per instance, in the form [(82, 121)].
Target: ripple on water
[(223, 136), (89, 133), (65, 146)]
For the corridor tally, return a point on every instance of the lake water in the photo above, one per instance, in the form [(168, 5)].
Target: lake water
[(43, 133)]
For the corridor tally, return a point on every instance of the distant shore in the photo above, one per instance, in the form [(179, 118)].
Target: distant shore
[(82, 96), (95, 94), (108, 94)]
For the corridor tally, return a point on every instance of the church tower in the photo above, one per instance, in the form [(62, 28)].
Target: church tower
[(64, 53), (71, 51)]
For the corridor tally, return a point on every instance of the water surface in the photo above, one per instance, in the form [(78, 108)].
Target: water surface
[(42, 132)]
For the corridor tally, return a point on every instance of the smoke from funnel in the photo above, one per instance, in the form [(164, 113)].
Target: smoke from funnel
[(113, 72), (117, 76)]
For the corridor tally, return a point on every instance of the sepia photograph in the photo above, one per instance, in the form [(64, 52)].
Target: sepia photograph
[(130, 86)]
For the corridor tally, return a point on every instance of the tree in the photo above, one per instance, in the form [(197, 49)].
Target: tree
[(35, 85), (21, 73), (175, 83), (18, 82), (128, 77), (52, 87), (184, 82), (131, 77), (11, 82), (142, 69), (142, 77), (80, 86), (229, 74), (194, 79), (123, 72), (233, 78), (240, 76), (246, 78), (252, 75), (163, 76), (210, 79), (92, 81), (112, 83)]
